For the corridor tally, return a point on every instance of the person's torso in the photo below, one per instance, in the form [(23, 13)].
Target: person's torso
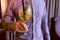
[(37, 18)]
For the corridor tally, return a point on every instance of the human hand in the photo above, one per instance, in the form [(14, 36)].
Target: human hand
[(19, 26)]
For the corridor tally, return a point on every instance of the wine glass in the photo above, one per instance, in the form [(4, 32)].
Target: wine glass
[(26, 14)]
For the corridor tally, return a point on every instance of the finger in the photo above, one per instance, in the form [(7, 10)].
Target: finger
[(19, 26), (24, 25), (19, 30)]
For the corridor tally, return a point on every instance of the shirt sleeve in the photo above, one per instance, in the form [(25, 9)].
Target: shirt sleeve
[(8, 17)]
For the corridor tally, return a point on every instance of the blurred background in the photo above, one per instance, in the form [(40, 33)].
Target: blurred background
[(53, 11)]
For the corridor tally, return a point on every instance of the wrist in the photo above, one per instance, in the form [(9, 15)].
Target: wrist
[(11, 26)]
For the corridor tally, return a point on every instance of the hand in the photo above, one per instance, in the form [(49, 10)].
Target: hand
[(19, 26)]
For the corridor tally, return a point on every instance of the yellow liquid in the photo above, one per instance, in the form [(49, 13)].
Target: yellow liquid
[(25, 16)]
